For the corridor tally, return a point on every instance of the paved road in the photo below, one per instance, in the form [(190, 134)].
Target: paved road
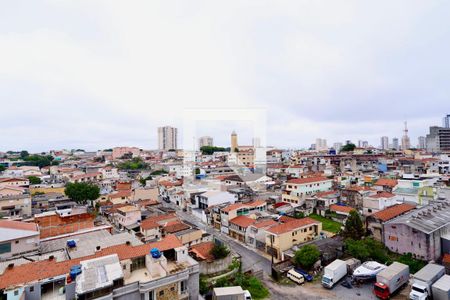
[(249, 258)]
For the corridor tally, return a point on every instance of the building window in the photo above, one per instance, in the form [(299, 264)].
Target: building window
[(151, 295), (16, 293), (5, 248), (161, 293)]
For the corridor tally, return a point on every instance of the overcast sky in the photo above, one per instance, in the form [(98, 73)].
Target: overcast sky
[(97, 74)]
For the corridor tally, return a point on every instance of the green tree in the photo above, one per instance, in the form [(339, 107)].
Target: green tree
[(81, 192), (220, 251), (2, 168), (24, 154), (353, 228), (357, 249), (38, 160), (307, 256), (414, 264), (208, 150), (348, 147), (34, 180)]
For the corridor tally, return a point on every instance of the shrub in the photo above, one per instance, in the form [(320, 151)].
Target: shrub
[(307, 256)]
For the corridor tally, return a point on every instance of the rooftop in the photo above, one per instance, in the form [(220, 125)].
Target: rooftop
[(292, 225), (40, 270), (308, 180), (426, 219), (242, 221), (392, 211)]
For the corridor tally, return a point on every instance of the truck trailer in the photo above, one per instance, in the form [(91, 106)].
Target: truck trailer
[(441, 288), (424, 279), (391, 279), (333, 273)]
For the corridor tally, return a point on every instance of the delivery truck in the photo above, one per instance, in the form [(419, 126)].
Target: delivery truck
[(391, 279), (441, 288), (333, 273), (423, 280)]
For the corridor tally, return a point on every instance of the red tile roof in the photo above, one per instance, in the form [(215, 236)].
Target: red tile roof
[(175, 226), (386, 182), (153, 222), (382, 195), (341, 208), (239, 205), (39, 270), (202, 251), (292, 225), (265, 223), (392, 211), (308, 180), (242, 221)]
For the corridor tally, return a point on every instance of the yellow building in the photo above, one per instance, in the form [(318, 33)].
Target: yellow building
[(292, 232), (234, 141)]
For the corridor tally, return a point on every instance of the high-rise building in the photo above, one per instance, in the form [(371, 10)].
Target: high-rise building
[(446, 121), (205, 141), (384, 142), (234, 141), (256, 142), (395, 144), (438, 140), (406, 144), (321, 144), (365, 144), (337, 146), (167, 138), (421, 142)]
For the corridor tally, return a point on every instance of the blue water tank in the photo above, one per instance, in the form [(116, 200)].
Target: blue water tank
[(75, 271), (71, 244), (155, 253)]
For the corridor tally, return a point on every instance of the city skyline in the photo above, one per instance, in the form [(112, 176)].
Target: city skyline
[(322, 68)]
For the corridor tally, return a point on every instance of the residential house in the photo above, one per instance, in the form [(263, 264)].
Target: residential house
[(17, 238), (375, 221), (419, 231), (294, 232), (255, 234), (14, 182), (353, 195), (385, 184), (151, 228), (89, 177), (14, 205), (377, 202), (64, 221), (127, 216), (126, 272), (298, 189), (239, 209), (238, 227)]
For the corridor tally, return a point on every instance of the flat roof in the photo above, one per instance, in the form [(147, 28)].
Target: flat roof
[(226, 291), (87, 242)]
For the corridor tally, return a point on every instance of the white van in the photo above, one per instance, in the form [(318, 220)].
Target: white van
[(295, 277)]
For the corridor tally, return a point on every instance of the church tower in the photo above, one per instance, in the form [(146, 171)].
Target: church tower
[(234, 142)]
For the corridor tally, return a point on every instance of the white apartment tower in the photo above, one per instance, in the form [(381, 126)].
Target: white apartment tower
[(167, 138), (321, 144), (384, 142), (205, 141)]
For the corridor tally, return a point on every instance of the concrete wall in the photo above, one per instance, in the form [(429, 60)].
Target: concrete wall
[(216, 266)]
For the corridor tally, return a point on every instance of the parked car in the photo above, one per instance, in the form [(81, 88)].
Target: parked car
[(295, 276), (306, 275)]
